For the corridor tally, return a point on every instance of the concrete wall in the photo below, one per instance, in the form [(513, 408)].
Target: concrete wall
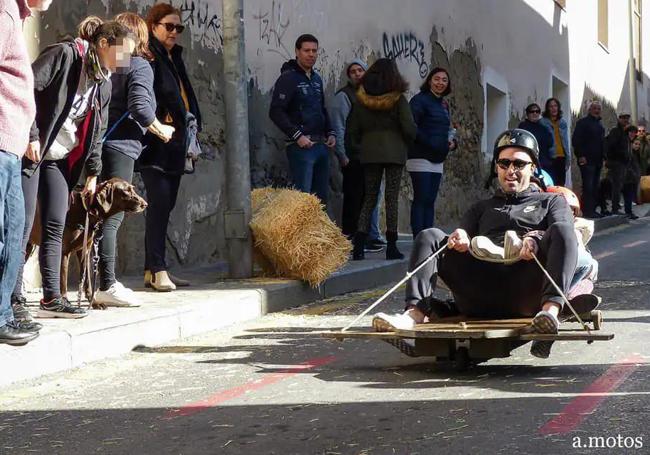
[(516, 47)]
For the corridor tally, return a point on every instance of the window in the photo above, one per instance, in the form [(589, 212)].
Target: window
[(603, 23), (497, 115), (636, 25)]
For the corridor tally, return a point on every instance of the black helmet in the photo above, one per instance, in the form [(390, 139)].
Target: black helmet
[(515, 137)]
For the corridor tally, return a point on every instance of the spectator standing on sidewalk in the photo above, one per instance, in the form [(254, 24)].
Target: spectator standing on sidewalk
[(618, 158), (351, 168), (298, 110), (433, 142), (553, 120), (132, 113), (72, 90), (382, 123), (589, 146), (17, 111), (162, 164), (533, 124)]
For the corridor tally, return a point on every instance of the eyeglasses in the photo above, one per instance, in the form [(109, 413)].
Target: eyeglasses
[(535, 111), (519, 165), (170, 27)]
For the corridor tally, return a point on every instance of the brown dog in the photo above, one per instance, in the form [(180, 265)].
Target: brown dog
[(112, 196)]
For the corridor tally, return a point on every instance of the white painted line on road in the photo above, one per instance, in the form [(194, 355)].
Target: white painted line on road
[(604, 255), (633, 244)]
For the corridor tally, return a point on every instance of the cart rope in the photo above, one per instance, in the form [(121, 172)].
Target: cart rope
[(394, 288)]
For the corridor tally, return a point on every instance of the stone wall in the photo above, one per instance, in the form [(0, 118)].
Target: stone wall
[(416, 33)]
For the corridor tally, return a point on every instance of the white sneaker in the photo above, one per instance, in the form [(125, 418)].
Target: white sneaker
[(117, 296), (383, 322), (512, 245), (484, 248)]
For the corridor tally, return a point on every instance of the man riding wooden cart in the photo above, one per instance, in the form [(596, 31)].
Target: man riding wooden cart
[(510, 267)]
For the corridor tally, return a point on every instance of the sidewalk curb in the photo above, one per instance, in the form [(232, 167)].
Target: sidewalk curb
[(164, 317)]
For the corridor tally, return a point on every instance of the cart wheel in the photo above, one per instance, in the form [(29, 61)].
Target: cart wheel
[(462, 359), (597, 319)]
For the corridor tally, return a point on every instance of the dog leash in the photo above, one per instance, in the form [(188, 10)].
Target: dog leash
[(394, 288), (84, 255)]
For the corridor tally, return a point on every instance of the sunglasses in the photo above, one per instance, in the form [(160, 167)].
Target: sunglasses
[(170, 27), (519, 165), (535, 111)]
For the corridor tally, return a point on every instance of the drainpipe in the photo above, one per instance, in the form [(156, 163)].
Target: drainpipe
[(238, 187), (631, 69)]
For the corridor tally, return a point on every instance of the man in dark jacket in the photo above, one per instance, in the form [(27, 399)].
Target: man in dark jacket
[(589, 145), (618, 156), (541, 224), (298, 109), (544, 137)]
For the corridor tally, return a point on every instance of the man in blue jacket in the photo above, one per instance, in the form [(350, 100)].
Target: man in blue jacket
[(298, 109), (589, 146)]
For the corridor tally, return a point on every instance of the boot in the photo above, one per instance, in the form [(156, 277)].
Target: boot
[(358, 253), (391, 250), (161, 282)]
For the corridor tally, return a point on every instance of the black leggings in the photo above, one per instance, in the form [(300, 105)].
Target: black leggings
[(162, 190), (484, 289), (114, 164), (48, 186), (373, 174)]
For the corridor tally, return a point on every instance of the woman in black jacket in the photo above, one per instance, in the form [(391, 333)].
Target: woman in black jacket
[(132, 113), (72, 91), (162, 164)]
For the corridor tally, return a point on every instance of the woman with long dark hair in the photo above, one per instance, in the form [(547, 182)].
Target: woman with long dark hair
[(132, 113), (382, 125), (434, 140), (561, 151), (162, 164), (72, 92)]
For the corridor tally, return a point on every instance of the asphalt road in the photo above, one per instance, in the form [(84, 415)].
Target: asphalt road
[(274, 387)]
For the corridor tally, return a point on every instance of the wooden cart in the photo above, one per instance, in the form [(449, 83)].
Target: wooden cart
[(466, 341)]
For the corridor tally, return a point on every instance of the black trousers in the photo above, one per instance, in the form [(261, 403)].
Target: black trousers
[(162, 191), (558, 171), (353, 190), (590, 182), (114, 164), (49, 187), (489, 290)]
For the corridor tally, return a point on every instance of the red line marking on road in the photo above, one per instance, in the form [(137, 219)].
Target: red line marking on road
[(586, 403), (604, 255), (235, 392), (633, 244)]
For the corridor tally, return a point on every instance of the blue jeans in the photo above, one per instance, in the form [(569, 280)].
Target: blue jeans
[(586, 265), (310, 169), (425, 191), (12, 222)]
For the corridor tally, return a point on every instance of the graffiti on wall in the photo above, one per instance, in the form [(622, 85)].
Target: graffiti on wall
[(272, 24), (406, 47), (203, 23)]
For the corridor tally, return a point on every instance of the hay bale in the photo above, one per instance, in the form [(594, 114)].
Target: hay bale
[(294, 235)]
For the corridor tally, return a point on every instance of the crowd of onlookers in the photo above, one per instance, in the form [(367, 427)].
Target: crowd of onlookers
[(113, 100), (376, 133)]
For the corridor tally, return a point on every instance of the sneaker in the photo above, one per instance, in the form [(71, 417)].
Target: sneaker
[(372, 247), (484, 248), (511, 245), (117, 296), (544, 323), (60, 308), (632, 216), (14, 335), (19, 307), (383, 322), (30, 326)]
